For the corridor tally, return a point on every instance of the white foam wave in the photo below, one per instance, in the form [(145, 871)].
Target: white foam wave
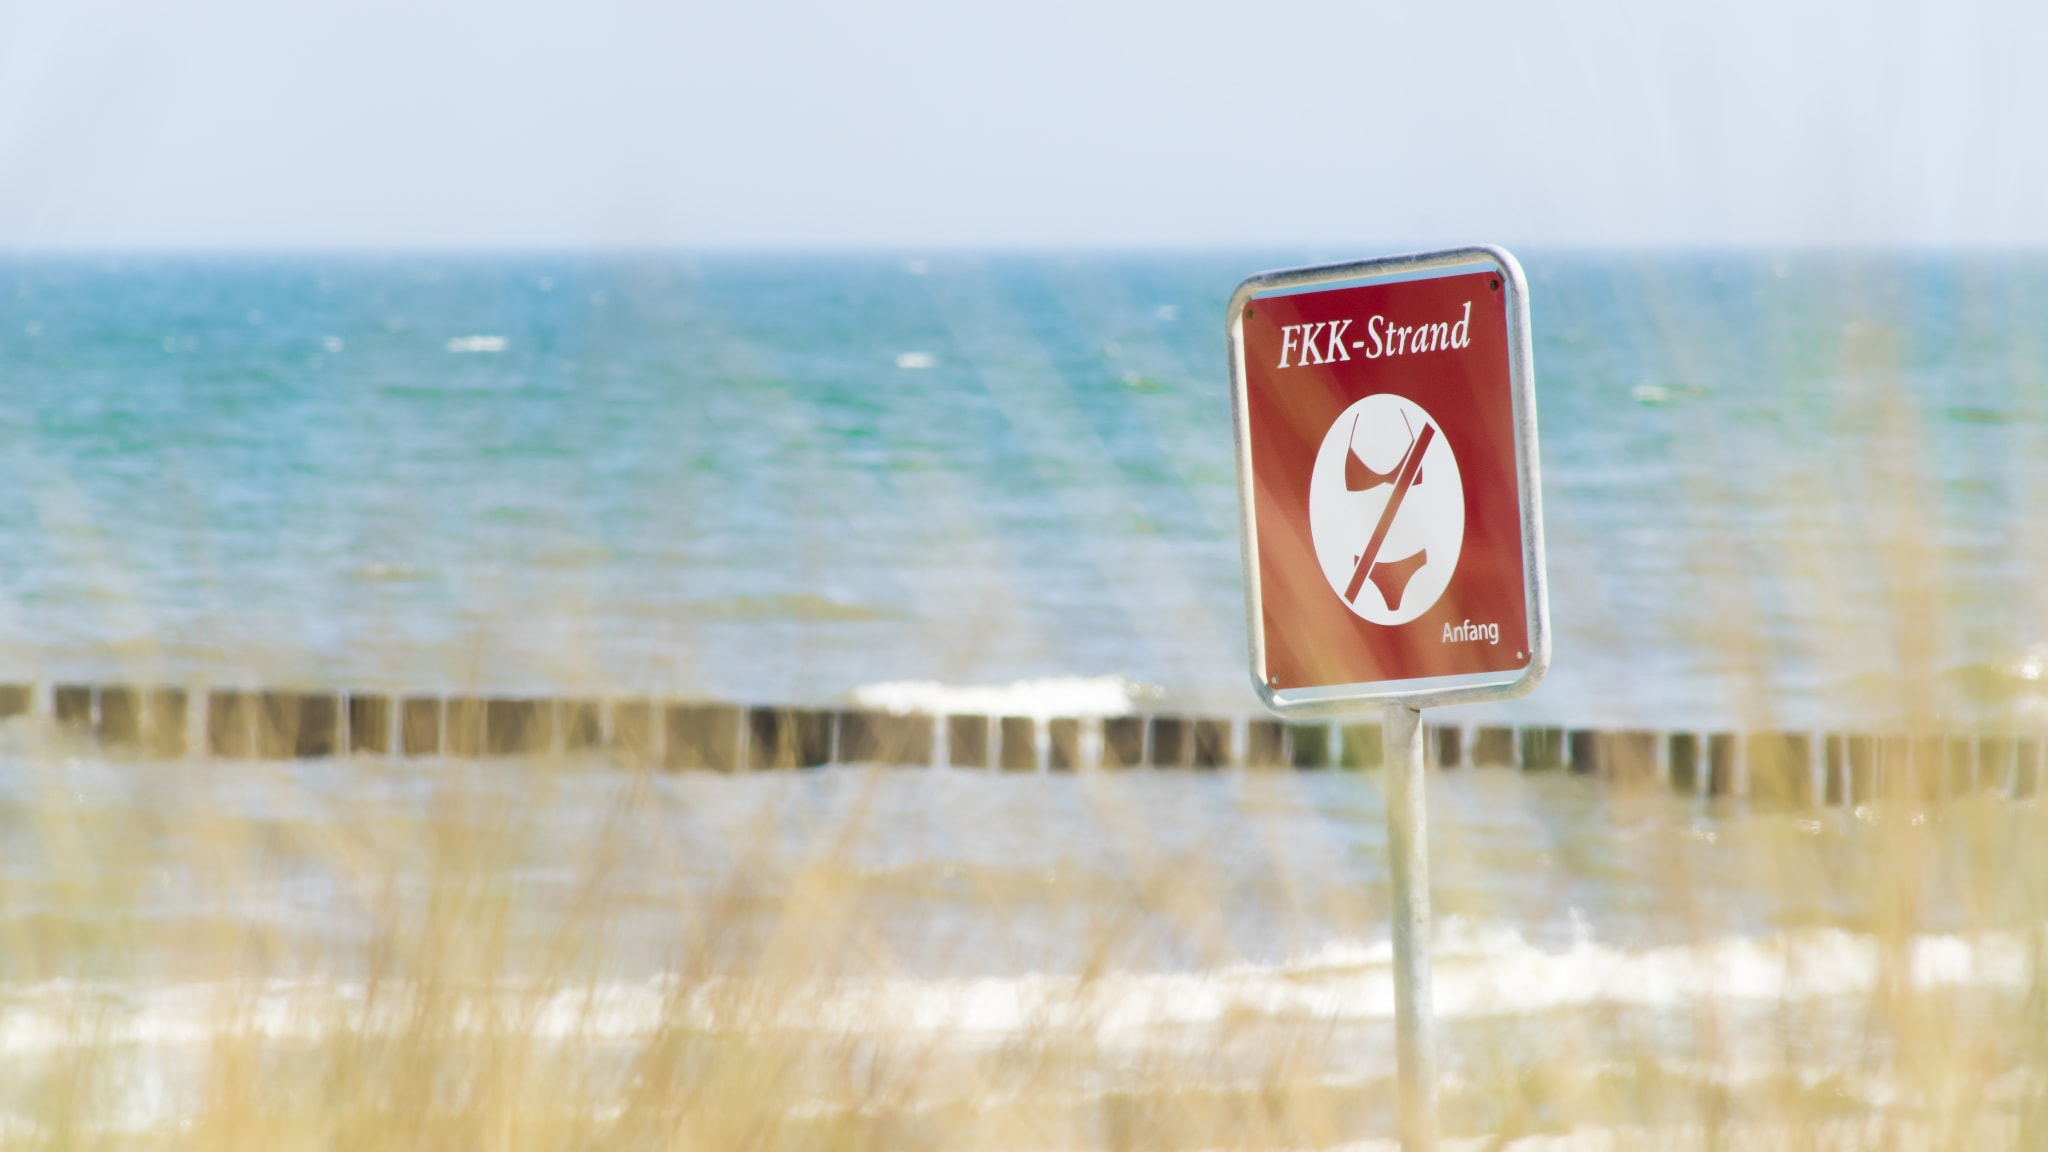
[(1055, 696), (1496, 974), (477, 344), (1484, 971), (1481, 972)]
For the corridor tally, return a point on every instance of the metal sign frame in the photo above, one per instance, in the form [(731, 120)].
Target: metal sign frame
[(1324, 701), (1402, 701)]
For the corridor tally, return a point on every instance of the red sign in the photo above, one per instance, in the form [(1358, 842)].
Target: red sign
[(1386, 442)]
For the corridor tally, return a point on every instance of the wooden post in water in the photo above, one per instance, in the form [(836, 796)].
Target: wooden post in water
[(1408, 861)]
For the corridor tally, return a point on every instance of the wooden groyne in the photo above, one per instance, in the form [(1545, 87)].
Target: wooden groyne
[(1832, 768)]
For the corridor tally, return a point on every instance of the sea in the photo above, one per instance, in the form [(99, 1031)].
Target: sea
[(1801, 489), (1809, 485)]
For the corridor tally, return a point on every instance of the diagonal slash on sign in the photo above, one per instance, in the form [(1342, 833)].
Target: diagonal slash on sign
[(1409, 468)]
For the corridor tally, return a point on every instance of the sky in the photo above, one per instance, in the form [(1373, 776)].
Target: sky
[(898, 124)]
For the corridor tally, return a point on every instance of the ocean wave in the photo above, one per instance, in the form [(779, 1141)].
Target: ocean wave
[(1052, 696), (1480, 972)]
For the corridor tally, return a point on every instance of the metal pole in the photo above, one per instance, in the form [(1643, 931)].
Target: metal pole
[(1408, 859)]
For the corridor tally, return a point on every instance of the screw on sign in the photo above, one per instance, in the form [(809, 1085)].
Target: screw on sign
[(1392, 528)]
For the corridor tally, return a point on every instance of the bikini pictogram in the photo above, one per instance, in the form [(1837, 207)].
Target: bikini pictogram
[(1391, 577), (1387, 527)]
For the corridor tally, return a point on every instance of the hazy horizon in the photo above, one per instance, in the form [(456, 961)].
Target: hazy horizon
[(1333, 251)]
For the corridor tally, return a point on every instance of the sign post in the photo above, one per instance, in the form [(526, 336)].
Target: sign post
[(1392, 526)]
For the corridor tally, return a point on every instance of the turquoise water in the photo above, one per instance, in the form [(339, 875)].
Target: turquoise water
[(1785, 486)]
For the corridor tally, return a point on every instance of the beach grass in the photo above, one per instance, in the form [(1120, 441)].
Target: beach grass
[(375, 958)]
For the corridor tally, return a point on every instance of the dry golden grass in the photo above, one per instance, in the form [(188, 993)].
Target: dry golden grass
[(369, 957)]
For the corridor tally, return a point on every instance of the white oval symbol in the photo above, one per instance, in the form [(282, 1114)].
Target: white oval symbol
[(1386, 509)]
